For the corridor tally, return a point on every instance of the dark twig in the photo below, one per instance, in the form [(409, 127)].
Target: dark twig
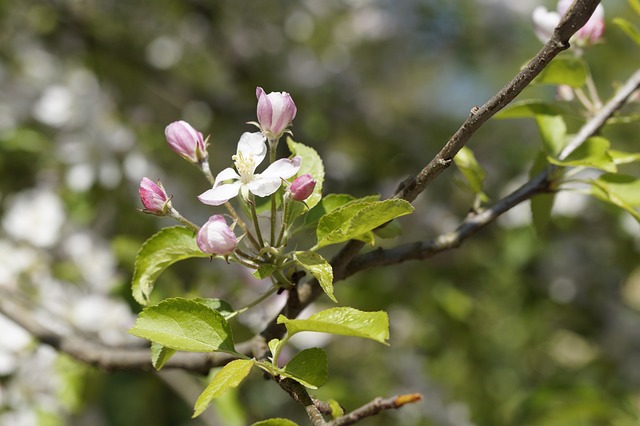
[(374, 407)]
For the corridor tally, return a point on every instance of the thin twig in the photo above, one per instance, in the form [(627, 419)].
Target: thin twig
[(375, 407)]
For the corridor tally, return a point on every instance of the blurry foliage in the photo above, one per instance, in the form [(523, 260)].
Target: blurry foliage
[(509, 329)]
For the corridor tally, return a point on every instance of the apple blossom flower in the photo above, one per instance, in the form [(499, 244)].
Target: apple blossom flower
[(302, 187), (186, 141), (545, 22), (216, 237), (154, 198), (276, 111), (250, 153)]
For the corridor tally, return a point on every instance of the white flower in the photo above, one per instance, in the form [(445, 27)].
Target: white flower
[(251, 151)]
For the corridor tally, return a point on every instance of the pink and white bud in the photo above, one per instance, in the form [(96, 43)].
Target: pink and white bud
[(592, 31), (186, 141), (216, 237), (276, 111), (302, 187), (545, 22), (154, 198)]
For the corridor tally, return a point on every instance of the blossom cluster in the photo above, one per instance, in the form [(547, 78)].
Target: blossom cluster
[(275, 113)]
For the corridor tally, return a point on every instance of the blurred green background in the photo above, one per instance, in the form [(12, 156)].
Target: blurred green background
[(512, 328)]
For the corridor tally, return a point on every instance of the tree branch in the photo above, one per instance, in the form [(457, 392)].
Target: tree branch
[(374, 407), (538, 184), (110, 358), (573, 20)]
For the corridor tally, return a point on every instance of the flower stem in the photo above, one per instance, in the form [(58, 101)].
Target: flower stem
[(273, 145), (254, 303), (283, 225), (177, 216), (242, 225), (256, 224)]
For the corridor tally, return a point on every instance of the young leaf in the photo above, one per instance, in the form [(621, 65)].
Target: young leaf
[(629, 29), (309, 367), (620, 157), (264, 271), (329, 203), (528, 108), (185, 325), (355, 219), (160, 355), (319, 268), (569, 70), (541, 206), (594, 153), (343, 321), (275, 422), (216, 304), (554, 133), (158, 253), (619, 190), (311, 164), (230, 376), (472, 171)]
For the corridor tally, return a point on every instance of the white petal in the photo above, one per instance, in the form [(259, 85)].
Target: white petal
[(253, 144), (544, 22), (220, 194), (226, 174), (282, 169), (263, 186)]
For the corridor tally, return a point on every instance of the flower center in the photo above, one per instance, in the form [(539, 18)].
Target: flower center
[(245, 165)]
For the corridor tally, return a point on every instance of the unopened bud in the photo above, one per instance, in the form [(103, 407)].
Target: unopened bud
[(186, 141), (302, 187), (275, 111), (216, 237), (154, 198)]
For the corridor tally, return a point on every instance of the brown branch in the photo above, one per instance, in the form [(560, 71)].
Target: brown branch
[(540, 183), (107, 357), (573, 20), (374, 407)]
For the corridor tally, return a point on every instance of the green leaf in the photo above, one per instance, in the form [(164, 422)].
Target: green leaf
[(569, 70), (336, 409), (541, 206), (219, 305), (230, 376), (273, 345), (328, 204), (620, 157), (629, 29), (619, 190), (554, 133), (275, 422), (472, 171), (160, 355), (528, 108), (594, 153), (355, 219), (309, 367), (311, 164), (319, 268), (344, 321), (635, 5), (158, 253), (264, 271), (390, 230), (185, 325)]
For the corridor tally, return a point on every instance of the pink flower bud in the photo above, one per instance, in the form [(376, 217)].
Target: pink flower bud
[(154, 198), (276, 111), (186, 141), (592, 31), (302, 187), (216, 237)]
